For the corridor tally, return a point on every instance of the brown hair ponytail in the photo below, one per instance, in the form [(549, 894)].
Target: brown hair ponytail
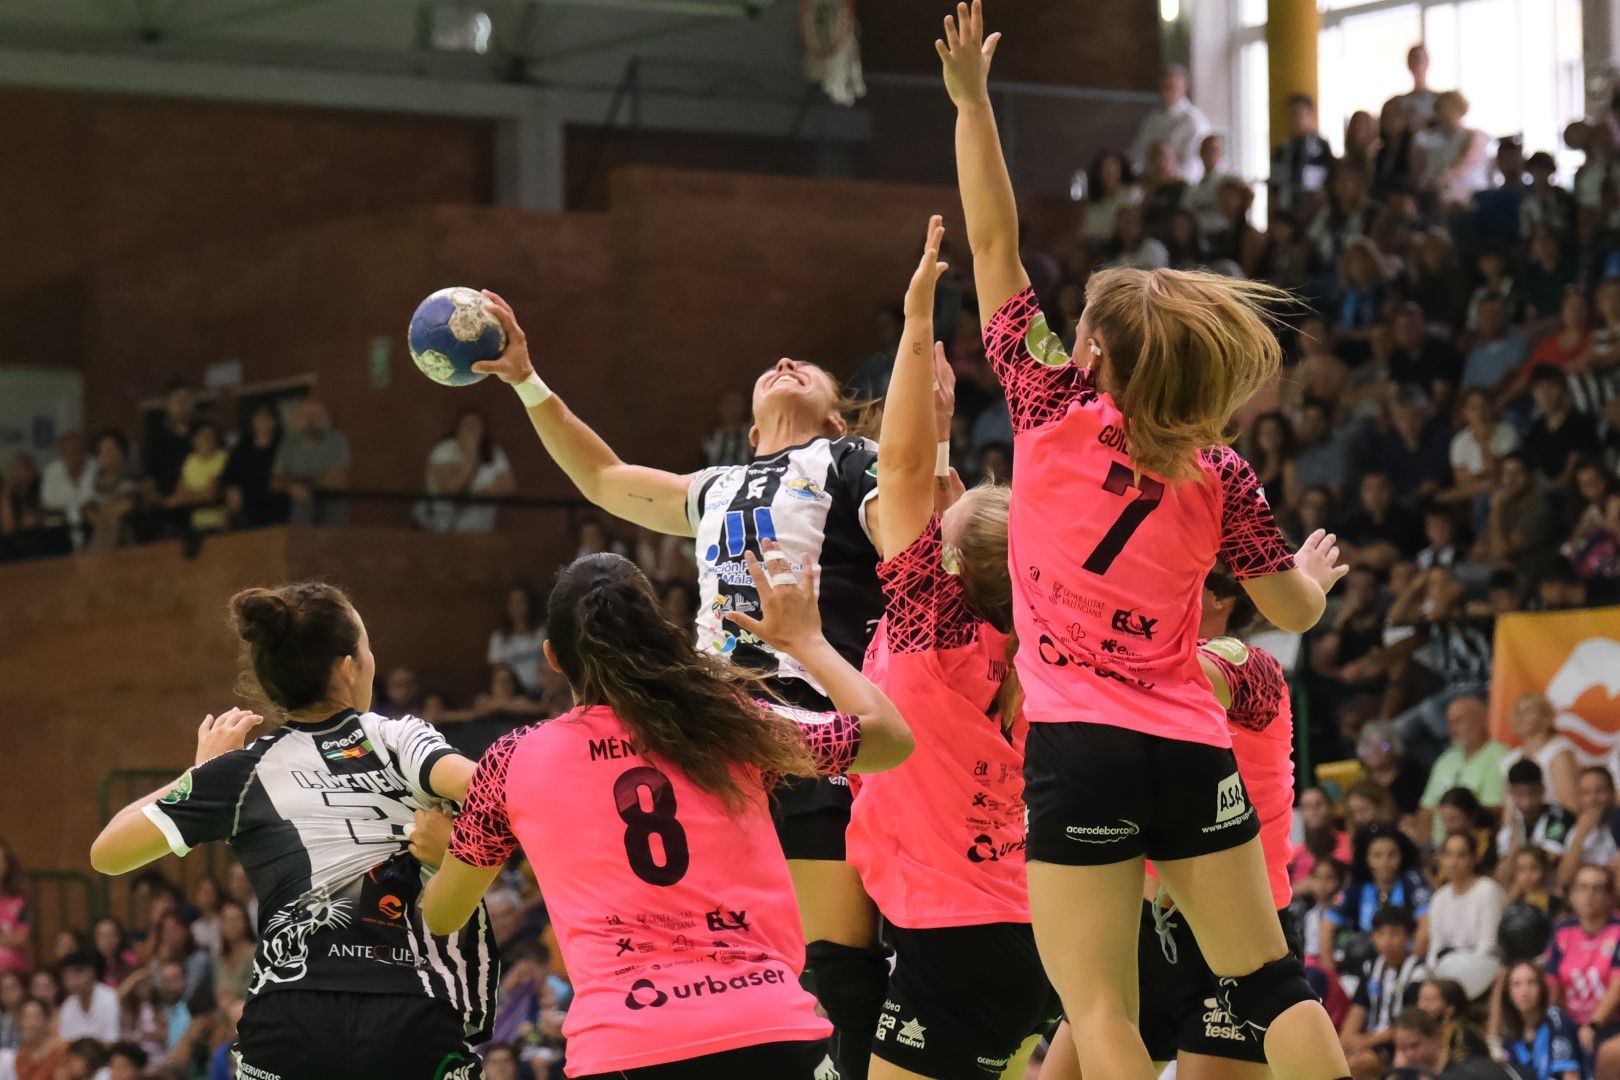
[(693, 710), (292, 637)]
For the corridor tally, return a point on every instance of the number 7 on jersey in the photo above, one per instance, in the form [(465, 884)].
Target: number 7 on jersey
[(1149, 492)]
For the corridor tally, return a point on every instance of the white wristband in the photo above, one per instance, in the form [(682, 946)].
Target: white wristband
[(532, 391), (942, 459)]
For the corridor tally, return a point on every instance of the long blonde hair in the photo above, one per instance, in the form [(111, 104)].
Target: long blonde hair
[(1186, 350), (986, 581)]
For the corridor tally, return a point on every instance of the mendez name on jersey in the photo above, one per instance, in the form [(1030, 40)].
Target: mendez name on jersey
[(811, 499), (317, 814)]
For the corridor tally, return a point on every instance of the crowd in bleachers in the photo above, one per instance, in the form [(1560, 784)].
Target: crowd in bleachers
[(1450, 408)]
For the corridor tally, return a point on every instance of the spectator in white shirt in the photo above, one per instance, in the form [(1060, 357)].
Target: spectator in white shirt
[(1481, 441), (68, 485), (1453, 160), (466, 462), (1203, 199), (91, 1009), (1177, 122), (1465, 912), (520, 644)]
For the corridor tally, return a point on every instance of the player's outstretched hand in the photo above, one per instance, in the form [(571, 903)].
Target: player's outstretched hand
[(789, 616), (513, 365), (919, 302), (966, 53), (430, 837), (1318, 557), (224, 733)]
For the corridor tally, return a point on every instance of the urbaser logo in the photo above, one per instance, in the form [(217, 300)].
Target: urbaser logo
[(645, 994)]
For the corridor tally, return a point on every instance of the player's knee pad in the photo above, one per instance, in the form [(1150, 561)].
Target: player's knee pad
[(850, 983), (1261, 996)]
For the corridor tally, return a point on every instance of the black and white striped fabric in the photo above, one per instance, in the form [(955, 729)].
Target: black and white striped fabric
[(1385, 991), (811, 499), (318, 816)]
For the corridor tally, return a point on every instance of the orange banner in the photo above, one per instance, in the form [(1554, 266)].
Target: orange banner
[(1574, 658)]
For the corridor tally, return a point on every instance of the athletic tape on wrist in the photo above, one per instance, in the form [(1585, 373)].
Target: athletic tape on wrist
[(942, 459), (532, 391)]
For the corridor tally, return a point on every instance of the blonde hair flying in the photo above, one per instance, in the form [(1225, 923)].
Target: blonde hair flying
[(1186, 350)]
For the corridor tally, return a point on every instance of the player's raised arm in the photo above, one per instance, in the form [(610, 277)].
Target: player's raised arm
[(981, 171), (648, 497), (920, 391)]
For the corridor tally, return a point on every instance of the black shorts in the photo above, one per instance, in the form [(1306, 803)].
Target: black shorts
[(963, 999), (811, 814), (1179, 1010), (1098, 794), (778, 1061), (326, 1035)]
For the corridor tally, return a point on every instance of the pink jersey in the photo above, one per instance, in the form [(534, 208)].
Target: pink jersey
[(939, 841), (1108, 566), (1262, 726), (1582, 965), (676, 916)]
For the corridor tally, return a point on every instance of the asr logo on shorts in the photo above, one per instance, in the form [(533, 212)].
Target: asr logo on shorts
[(1231, 805)]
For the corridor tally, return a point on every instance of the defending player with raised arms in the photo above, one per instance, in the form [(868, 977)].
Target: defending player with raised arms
[(331, 813), (939, 841), (644, 813), (1124, 494), (812, 487)]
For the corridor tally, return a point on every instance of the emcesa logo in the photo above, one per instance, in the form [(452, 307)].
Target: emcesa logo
[(646, 994)]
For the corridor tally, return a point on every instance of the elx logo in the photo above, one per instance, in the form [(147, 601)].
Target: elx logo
[(1129, 622)]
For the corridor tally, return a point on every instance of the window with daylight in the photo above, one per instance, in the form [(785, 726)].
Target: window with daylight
[(1517, 61)]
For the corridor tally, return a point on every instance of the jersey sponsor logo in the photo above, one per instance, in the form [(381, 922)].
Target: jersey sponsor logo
[(646, 994), (802, 488), (734, 533), (1130, 623), (252, 1072), (986, 849), (356, 736), (1231, 650), (349, 753), (284, 953), (912, 1034), (721, 920), (1113, 438), (1103, 834), (1231, 805), (456, 1066), (381, 954), (1045, 347), (1050, 653), (180, 792), (1220, 1024), (826, 1070), (390, 907), (1079, 601)]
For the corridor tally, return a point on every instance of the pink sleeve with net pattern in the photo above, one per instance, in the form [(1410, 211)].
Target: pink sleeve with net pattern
[(1032, 365), (1257, 684), (834, 738), (483, 834), (1251, 544), (925, 609)]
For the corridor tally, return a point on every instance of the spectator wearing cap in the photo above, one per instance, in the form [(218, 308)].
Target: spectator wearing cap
[(1529, 819), (1545, 205), (91, 1009), (1560, 435), (1300, 164), (1419, 101), (1452, 157), (1176, 122), (1522, 522), (1472, 761), (1534, 722), (1500, 350)]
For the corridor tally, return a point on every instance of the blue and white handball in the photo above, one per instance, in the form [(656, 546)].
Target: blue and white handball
[(451, 331)]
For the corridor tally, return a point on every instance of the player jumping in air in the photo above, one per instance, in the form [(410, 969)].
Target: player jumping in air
[(1123, 496), (939, 841), (645, 815)]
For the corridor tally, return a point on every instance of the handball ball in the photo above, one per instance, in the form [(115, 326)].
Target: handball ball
[(451, 331)]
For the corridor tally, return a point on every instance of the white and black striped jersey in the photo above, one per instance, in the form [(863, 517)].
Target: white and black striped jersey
[(811, 499), (317, 815)]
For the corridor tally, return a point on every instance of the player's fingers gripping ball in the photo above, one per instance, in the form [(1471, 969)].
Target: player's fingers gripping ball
[(452, 330)]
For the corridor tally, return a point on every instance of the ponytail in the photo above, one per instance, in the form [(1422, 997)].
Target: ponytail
[(691, 710)]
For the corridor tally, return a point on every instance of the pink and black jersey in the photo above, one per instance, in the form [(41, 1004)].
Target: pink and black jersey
[(1582, 965), (939, 840), (1108, 562), (675, 913), (1262, 726)]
